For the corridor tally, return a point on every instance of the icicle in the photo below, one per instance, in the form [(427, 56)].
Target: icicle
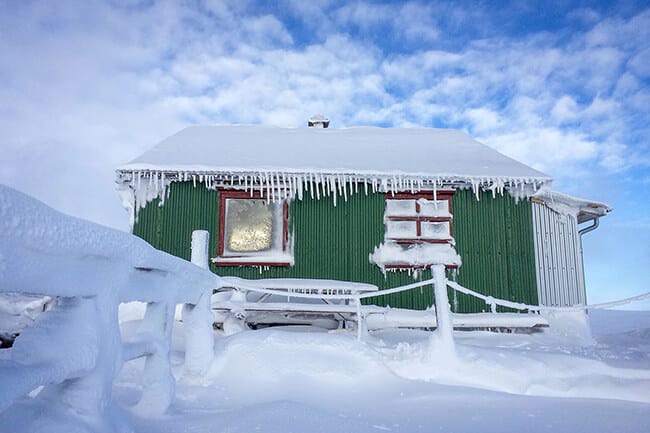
[(365, 185), (267, 181), (435, 194), (271, 195), (311, 187), (299, 186), (345, 191), (277, 191)]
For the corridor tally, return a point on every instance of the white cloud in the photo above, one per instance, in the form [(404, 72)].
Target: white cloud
[(640, 63), (90, 86)]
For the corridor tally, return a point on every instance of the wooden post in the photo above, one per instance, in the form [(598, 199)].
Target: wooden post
[(198, 318)]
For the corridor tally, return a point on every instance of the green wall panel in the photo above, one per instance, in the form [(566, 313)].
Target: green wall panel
[(494, 238)]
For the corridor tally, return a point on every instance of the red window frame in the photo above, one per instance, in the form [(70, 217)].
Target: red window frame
[(225, 194), (428, 195)]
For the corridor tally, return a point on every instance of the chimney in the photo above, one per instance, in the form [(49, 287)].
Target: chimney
[(318, 121)]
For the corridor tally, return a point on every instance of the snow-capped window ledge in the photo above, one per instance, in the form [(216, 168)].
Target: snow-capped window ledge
[(391, 256)]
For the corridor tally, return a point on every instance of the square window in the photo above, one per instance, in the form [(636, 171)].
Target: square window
[(416, 225), (250, 226), (252, 231)]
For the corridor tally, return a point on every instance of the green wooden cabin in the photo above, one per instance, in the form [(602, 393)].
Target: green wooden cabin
[(369, 205)]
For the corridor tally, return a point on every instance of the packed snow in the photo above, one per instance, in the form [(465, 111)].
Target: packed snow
[(305, 380), (241, 148)]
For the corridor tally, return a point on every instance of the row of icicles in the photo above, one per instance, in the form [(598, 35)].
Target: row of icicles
[(280, 186)]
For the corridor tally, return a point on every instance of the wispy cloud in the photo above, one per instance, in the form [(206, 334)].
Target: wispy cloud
[(93, 84)]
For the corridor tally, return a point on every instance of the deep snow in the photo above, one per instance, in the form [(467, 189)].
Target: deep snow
[(301, 379)]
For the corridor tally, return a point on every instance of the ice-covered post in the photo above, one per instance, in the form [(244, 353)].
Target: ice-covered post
[(158, 384), (198, 318), (90, 394), (445, 326), (361, 322)]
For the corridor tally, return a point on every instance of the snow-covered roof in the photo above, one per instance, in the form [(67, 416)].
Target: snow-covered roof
[(423, 152), (289, 162)]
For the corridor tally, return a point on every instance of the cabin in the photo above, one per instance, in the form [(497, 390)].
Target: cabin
[(364, 205)]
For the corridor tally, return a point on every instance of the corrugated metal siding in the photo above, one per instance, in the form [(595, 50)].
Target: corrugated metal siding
[(170, 227), (494, 237), (558, 258)]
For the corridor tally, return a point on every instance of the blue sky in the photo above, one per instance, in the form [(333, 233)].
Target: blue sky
[(562, 86)]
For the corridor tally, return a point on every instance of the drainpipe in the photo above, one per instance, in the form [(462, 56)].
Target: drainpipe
[(591, 228), (581, 232)]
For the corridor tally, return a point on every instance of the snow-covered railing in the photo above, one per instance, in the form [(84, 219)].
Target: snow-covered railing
[(76, 349), (490, 301)]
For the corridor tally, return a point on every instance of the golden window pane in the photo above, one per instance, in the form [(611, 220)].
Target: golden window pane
[(249, 225)]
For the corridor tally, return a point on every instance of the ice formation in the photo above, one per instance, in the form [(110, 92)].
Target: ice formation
[(137, 188), (281, 163)]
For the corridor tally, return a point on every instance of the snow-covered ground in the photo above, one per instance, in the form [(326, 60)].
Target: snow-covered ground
[(281, 380), (300, 379)]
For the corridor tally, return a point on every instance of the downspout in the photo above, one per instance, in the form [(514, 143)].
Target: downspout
[(594, 226), (591, 228)]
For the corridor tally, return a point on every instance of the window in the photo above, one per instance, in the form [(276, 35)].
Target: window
[(252, 231), (418, 232), (417, 218)]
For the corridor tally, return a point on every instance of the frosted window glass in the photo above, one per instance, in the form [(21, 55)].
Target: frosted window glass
[(435, 230), (401, 229), (249, 225), (400, 208), (434, 208)]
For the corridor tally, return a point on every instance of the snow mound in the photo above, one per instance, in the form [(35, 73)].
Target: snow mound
[(272, 359)]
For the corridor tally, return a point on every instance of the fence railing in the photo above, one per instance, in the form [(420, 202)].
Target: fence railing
[(490, 301), (77, 348)]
